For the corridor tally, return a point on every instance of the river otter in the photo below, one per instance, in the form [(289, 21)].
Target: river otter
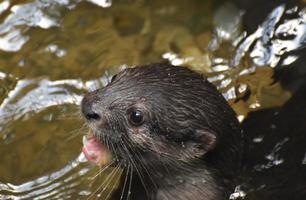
[(172, 126)]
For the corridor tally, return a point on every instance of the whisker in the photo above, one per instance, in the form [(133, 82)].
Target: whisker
[(75, 133), (118, 173), (130, 184), (70, 115), (106, 179), (141, 177), (125, 181), (102, 170), (114, 150)]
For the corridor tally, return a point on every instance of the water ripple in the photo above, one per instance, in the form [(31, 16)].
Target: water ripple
[(280, 33), (49, 186)]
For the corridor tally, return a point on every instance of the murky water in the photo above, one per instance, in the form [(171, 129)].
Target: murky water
[(52, 52)]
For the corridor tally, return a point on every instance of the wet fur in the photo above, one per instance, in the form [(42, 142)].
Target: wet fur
[(190, 145)]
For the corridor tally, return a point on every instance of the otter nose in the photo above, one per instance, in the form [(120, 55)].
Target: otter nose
[(87, 107)]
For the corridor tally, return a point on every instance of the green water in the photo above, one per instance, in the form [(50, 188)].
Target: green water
[(52, 52)]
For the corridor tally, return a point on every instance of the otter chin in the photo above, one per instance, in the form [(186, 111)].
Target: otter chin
[(167, 127)]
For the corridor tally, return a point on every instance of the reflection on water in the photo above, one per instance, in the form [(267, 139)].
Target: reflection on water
[(102, 3), (282, 32), (16, 24), (30, 96), (39, 13), (52, 52), (59, 184), (275, 44)]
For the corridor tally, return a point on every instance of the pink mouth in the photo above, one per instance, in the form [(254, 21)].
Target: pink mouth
[(95, 151)]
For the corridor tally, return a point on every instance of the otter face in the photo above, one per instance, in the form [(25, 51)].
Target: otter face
[(158, 110)]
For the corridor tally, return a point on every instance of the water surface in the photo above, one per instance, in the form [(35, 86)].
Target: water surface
[(52, 52)]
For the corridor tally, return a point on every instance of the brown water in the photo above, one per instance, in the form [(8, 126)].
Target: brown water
[(52, 52)]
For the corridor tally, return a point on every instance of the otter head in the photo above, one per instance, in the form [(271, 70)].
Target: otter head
[(162, 113)]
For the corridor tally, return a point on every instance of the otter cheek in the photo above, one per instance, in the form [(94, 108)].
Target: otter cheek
[(95, 151)]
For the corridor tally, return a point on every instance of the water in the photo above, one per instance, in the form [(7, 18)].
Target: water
[(52, 52)]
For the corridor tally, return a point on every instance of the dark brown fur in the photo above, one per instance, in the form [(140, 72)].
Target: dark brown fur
[(190, 143)]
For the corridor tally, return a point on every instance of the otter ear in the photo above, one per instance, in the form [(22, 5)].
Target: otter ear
[(206, 138), (203, 142)]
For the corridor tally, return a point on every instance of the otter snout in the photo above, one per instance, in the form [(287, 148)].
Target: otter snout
[(87, 107)]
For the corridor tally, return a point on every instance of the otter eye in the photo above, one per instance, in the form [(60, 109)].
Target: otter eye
[(136, 117)]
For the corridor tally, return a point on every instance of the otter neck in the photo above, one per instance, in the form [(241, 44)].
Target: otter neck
[(194, 182)]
